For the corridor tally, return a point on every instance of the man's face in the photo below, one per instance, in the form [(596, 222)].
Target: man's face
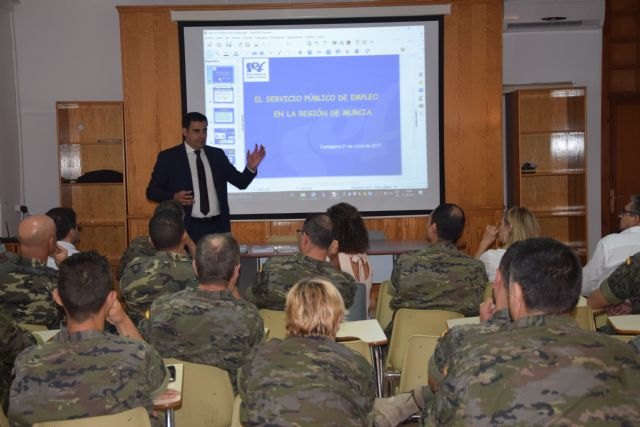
[(628, 218), (196, 135)]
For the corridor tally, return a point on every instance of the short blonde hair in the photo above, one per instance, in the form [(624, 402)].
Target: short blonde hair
[(314, 307), (524, 225)]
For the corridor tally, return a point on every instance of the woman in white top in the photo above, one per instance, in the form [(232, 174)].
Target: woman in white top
[(517, 224), (353, 243)]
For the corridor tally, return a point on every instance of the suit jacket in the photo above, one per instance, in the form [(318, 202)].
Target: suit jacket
[(172, 174)]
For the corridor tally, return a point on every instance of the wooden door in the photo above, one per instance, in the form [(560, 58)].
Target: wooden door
[(624, 155)]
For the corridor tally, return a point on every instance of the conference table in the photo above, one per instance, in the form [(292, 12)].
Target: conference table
[(170, 404), (370, 332)]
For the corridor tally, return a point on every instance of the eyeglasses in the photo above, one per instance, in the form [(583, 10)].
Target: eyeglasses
[(624, 212)]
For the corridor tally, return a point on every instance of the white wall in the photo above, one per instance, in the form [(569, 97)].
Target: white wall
[(564, 56)]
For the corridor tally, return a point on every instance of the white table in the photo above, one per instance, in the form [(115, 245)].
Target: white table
[(168, 405), (628, 324), (370, 332)]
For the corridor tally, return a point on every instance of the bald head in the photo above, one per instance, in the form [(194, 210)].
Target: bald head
[(37, 236)]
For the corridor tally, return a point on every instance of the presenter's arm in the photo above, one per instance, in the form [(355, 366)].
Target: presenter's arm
[(242, 179), (158, 188)]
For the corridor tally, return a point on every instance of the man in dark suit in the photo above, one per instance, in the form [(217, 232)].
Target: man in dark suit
[(196, 175)]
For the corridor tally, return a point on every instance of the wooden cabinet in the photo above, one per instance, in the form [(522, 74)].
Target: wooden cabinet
[(546, 131), (91, 164)]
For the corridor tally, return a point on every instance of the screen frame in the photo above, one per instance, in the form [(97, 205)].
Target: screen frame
[(182, 24)]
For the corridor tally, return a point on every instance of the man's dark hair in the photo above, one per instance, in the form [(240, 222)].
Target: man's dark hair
[(549, 274), (170, 205), (65, 220), (505, 262), (166, 229), (449, 220), (84, 281), (635, 204), (193, 117), (349, 228), (217, 255), (319, 228)]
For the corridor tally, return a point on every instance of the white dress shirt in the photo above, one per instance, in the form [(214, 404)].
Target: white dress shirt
[(611, 251), (71, 249), (491, 259), (214, 205)]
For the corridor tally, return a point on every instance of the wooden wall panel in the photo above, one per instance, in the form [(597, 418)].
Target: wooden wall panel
[(472, 112)]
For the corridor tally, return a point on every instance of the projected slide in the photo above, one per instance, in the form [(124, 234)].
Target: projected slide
[(346, 112)]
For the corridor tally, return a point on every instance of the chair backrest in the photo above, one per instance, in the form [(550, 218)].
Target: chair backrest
[(274, 321), (358, 310), (235, 417), (4, 422), (360, 347), (136, 417), (488, 291), (416, 360), (384, 313), (584, 318), (408, 322), (32, 328), (207, 396)]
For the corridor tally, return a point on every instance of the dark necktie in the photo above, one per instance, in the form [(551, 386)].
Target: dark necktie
[(202, 182)]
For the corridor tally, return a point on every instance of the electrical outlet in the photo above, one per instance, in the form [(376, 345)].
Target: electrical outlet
[(16, 208)]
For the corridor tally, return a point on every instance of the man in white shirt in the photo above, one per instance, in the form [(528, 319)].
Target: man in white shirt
[(66, 231), (613, 250)]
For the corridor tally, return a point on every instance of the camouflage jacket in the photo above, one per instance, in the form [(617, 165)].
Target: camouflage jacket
[(26, 287), (306, 381), (211, 328), (456, 338), (140, 246), (624, 282), (280, 273), (635, 343), (147, 278), (540, 370), (438, 277), (12, 341), (85, 374)]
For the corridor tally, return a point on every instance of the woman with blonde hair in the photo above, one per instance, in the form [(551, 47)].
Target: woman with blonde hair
[(518, 223), (308, 378)]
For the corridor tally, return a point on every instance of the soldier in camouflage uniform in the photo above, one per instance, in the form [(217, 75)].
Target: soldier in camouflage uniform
[(622, 285), (168, 271), (12, 341), (85, 372), (26, 282), (308, 378), (440, 276), (541, 368), (141, 245), (210, 325), (279, 274)]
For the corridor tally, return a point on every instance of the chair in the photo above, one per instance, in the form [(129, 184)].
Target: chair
[(584, 318), (358, 310), (415, 363), (488, 291), (624, 338), (32, 328), (207, 396), (406, 323), (274, 321), (235, 417), (136, 417), (359, 347), (4, 421), (384, 313)]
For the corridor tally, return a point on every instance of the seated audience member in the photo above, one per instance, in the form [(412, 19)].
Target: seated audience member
[(440, 276), (66, 231), (542, 368), (353, 243), (141, 245), (308, 378), (210, 325), (13, 340), (26, 283), (169, 270), (635, 343), (622, 287), (613, 250), (280, 273), (516, 224), (83, 371)]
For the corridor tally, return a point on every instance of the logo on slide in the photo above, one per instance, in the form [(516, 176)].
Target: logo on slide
[(256, 69)]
